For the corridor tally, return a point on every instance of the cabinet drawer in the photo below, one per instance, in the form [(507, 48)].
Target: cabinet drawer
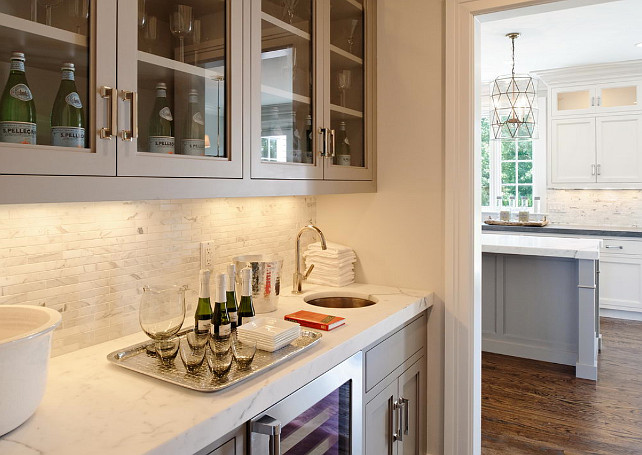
[(383, 358), (616, 246)]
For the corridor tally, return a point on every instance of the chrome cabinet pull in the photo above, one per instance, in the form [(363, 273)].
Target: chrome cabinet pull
[(132, 97), (599, 100), (271, 427), (111, 94), (405, 403), (599, 169), (333, 148), (614, 247), (398, 435), (592, 169), (592, 101)]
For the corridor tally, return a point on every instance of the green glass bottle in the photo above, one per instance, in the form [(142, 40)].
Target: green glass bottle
[(221, 325), (309, 135), (194, 132), (17, 108), (246, 307), (232, 306), (344, 158), (203, 314), (161, 123), (67, 114)]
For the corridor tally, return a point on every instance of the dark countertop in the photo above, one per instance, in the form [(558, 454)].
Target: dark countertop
[(599, 231)]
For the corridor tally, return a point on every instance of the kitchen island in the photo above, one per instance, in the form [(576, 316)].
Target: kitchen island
[(540, 299), (93, 407)]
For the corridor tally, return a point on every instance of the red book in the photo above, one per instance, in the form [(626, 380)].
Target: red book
[(315, 320)]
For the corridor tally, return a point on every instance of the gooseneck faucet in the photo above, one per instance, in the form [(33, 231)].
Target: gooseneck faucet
[(298, 277)]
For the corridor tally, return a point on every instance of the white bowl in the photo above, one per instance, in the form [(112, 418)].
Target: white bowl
[(25, 344)]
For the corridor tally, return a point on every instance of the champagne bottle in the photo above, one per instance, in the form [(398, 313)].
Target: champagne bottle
[(232, 307), (203, 315), (221, 325), (67, 114), (343, 146), (246, 308), (161, 123), (194, 133), (17, 109), (309, 134)]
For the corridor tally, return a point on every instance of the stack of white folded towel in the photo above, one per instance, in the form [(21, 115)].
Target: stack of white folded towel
[(333, 266)]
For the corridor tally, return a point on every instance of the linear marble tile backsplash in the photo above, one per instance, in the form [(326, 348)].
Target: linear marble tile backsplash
[(90, 260), (596, 207)]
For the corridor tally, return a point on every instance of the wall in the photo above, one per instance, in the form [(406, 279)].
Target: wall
[(398, 232), (90, 260), (596, 207)]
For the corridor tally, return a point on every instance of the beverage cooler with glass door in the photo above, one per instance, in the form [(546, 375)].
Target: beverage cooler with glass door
[(323, 417)]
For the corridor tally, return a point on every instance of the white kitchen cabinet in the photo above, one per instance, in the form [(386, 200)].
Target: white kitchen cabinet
[(595, 152), (312, 93), (621, 282), (395, 401), (598, 99)]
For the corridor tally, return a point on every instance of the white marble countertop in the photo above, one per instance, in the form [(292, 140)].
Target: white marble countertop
[(93, 407), (562, 247)]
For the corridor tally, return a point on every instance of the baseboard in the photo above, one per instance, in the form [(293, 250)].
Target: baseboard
[(529, 351), (620, 314)]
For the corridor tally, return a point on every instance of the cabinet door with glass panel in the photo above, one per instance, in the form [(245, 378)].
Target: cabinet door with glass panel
[(56, 101), (179, 79), (309, 94)]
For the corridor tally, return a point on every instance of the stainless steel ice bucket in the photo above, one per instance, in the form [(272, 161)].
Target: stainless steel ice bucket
[(266, 279)]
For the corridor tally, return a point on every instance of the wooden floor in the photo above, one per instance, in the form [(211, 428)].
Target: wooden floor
[(531, 407)]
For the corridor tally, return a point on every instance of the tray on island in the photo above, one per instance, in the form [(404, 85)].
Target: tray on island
[(136, 358), (540, 223)]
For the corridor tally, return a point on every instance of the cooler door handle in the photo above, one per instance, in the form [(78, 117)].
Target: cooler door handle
[(271, 427)]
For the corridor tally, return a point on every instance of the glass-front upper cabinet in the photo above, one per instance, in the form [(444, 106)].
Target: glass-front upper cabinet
[(179, 73), (53, 112), (309, 98)]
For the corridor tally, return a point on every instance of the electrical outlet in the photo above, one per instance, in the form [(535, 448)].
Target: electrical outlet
[(207, 255)]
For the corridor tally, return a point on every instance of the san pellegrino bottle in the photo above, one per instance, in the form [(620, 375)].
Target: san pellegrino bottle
[(194, 133), (203, 315), (67, 114), (221, 325), (246, 308), (17, 108), (161, 123), (344, 158), (232, 307)]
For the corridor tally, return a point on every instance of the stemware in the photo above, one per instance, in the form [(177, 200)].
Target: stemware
[(79, 9), (219, 363), (162, 312), (344, 81), (191, 354), (167, 350), (196, 38), (289, 7), (180, 24), (244, 352), (142, 14), (151, 31), (353, 28), (49, 4)]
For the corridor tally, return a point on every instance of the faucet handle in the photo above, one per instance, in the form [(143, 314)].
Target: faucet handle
[(308, 272)]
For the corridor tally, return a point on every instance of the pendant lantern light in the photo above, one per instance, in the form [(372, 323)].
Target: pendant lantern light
[(513, 103)]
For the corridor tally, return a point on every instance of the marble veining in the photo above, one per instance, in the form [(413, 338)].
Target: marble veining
[(541, 246), (92, 407)]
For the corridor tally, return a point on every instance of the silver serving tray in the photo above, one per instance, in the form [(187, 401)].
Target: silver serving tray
[(136, 358)]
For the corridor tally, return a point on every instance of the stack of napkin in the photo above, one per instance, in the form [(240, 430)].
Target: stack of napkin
[(333, 266)]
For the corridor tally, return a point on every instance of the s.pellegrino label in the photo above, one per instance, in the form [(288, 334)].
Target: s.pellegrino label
[(17, 108), (67, 115), (194, 147), (161, 124)]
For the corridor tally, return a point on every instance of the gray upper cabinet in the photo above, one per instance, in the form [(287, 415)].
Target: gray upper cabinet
[(312, 89)]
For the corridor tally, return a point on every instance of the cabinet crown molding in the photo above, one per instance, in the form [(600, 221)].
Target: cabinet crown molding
[(602, 72)]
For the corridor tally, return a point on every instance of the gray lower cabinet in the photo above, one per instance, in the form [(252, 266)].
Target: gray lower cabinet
[(232, 443), (395, 409)]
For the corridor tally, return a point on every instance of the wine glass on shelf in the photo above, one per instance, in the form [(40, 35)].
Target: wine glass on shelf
[(151, 32), (196, 38), (180, 24), (79, 9), (344, 81), (142, 14), (353, 28), (289, 7), (49, 5), (162, 312)]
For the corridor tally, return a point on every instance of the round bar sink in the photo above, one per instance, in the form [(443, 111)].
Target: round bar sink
[(25, 344), (343, 300)]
